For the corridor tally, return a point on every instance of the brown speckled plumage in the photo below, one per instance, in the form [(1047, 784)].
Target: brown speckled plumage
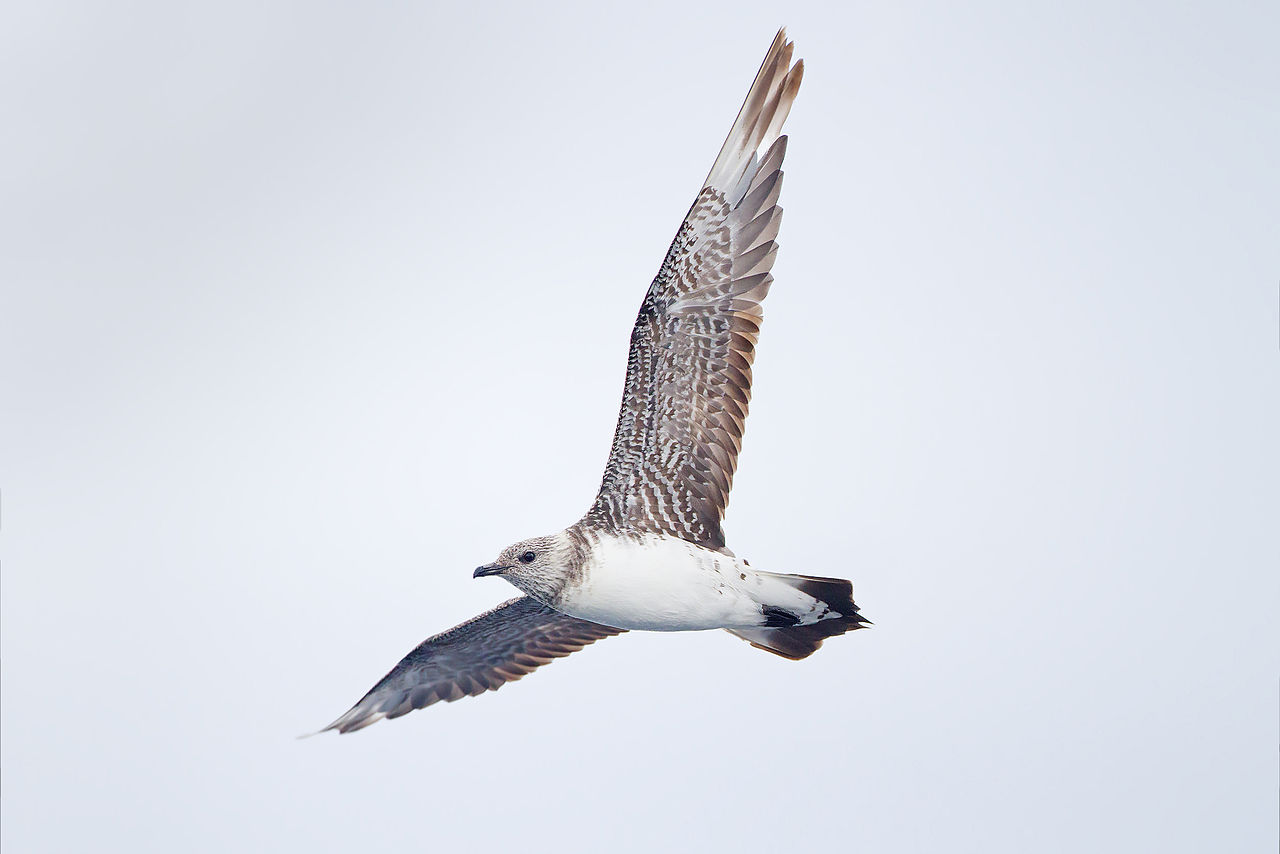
[(688, 382)]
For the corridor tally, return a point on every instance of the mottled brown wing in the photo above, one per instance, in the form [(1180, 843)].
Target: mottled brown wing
[(689, 369), (482, 654)]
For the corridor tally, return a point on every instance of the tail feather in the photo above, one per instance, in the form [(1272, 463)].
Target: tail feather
[(801, 641)]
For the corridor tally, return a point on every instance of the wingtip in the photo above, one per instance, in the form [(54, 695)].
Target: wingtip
[(336, 725), (763, 112), (342, 725), (786, 44)]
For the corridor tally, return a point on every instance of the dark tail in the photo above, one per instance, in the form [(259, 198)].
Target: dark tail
[(800, 641)]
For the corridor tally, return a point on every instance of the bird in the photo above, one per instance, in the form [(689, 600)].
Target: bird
[(649, 554)]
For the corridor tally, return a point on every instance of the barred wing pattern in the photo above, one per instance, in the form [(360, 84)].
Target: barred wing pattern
[(482, 654), (689, 369)]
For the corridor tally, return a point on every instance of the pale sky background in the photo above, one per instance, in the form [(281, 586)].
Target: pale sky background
[(308, 309)]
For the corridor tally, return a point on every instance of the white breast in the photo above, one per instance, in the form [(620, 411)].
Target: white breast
[(660, 584)]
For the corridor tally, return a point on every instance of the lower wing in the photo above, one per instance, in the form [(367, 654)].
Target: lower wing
[(482, 654)]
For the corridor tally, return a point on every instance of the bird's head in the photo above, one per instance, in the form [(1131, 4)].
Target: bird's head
[(539, 566)]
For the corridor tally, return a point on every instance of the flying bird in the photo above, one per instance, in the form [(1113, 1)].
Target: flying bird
[(649, 554)]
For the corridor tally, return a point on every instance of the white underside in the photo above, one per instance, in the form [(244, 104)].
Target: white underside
[(665, 584)]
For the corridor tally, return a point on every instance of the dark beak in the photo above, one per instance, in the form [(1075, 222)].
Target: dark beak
[(489, 569)]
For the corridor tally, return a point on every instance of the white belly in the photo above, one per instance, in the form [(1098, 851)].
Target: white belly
[(662, 584)]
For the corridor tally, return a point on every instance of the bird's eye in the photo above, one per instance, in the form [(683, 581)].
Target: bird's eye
[(527, 557)]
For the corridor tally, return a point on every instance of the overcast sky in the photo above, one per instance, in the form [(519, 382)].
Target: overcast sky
[(308, 309)]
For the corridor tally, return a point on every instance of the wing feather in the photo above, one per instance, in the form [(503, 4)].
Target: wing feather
[(688, 380), (482, 654)]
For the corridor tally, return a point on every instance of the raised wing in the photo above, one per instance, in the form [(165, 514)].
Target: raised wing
[(689, 369), (482, 654)]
